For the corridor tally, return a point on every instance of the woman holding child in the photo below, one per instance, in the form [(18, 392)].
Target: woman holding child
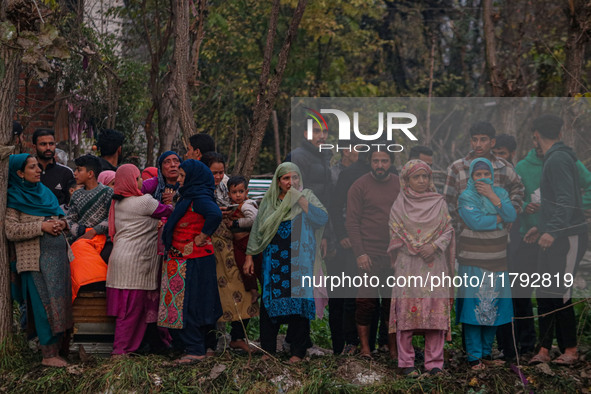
[(238, 304), (422, 244), (482, 253), (189, 298), (287, 230)]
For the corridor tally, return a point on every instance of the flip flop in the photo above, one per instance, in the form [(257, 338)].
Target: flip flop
[(435, 371), (349, 350), (493, 363), (565, 359), (411, 372), (365, 356), (539, 359), (188, 359)]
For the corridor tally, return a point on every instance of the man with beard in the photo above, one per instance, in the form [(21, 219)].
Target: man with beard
[(53, 174), (368, 209), (109, 144)]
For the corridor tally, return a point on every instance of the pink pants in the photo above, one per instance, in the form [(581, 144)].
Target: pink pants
[(134, 309), (434, 340)]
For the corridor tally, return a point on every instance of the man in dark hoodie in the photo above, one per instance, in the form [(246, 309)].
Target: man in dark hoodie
[(530, 171), (561, 235)]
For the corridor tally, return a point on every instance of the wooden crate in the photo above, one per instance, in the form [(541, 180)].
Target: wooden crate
[(91, 308)]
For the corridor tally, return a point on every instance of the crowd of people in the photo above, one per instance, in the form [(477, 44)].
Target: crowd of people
[(182, 251)]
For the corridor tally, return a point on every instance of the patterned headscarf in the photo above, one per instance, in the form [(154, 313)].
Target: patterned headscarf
[(417, 219), (162, 185)]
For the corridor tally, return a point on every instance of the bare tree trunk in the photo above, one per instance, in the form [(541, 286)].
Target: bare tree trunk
[(113, 83), (168, 122), (276, 135), (428, 135), (178, 92), (491, 51), (578, 13), (267, 89), (150, 136), (10, 59)]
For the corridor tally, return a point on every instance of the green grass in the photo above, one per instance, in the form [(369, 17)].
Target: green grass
[(21, 372)]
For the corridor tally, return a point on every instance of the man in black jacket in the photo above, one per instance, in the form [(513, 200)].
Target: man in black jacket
[(53, 174), (110, 145), (562, 237)]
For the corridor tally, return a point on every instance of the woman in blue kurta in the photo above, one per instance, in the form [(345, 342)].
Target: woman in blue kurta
[(189, 299), (482, 253), (287, 231)]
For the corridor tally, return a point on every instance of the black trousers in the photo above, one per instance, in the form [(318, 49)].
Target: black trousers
[(341, 309), (562, 257), (237, 330), (524, 259), (298, 331)]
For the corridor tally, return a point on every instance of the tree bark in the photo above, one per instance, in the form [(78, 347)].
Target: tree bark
[(578, 14), (168, 119), (276, 138), (491, 51), (10, 59), (178, 93), (268, 90), (150, 136)]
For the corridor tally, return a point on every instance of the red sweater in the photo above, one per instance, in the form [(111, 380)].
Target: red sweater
[(368, 210)]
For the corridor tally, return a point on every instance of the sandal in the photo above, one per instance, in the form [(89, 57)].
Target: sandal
[(539, 359), (240, 346), (477, 365), (565, 359), (411, 372), (189, 359), (366, 356), (349, 350), (210, 353), (435, 371), (493, 363)]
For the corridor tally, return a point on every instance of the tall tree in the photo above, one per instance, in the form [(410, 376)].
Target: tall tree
[(10, 60), (268, 87), (178, 91), (26, 36), (578, 14)]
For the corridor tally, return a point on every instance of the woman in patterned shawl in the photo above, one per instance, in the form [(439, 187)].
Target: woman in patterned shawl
[(288, 230), (422, 244), (237, 303), (189, 298)]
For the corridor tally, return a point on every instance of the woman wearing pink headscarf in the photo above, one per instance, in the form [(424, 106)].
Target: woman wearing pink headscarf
[(421, 245), (133, 271), (107, 178)]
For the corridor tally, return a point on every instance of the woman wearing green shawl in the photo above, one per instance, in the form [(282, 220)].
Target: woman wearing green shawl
[(287, 231), (33, 223)]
